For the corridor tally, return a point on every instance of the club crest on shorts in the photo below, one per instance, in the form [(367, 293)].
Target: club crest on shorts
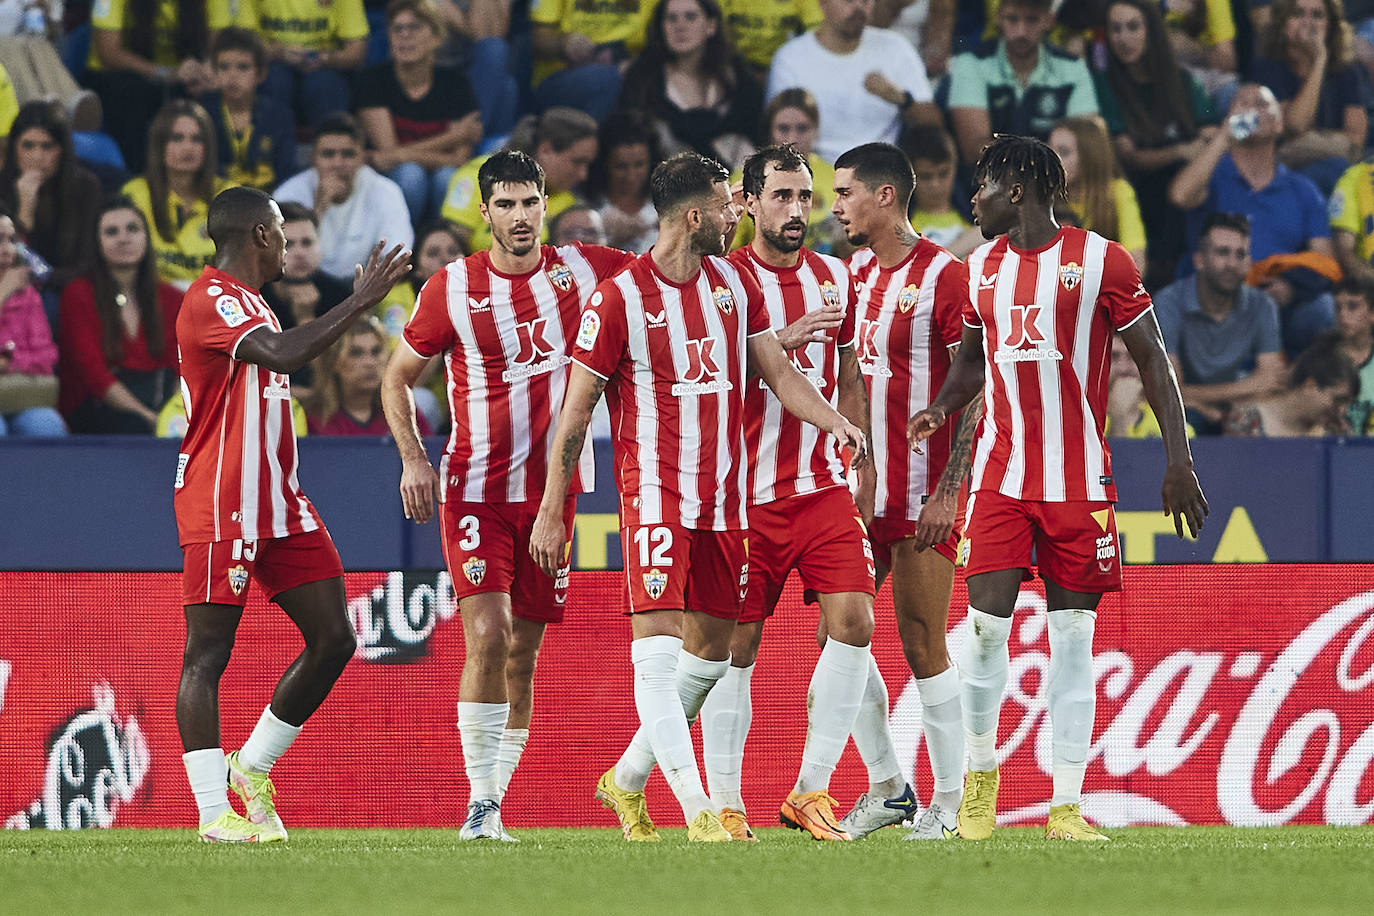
[(655, 583), (1071, 274), (238, 578), (474, 570), (906, 299), (724, 299), (560, 276), (830, 294)]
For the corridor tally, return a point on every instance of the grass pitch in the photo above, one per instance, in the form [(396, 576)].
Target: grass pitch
[(1145, 870)]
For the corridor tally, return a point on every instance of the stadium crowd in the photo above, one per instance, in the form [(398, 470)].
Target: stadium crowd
[(1221, 142)]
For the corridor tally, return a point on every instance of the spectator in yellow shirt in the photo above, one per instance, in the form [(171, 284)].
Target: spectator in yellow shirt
[(311, 44), (1099, 197), (9, 103), (760, 27), (580, 48), (1352, 220), (934, 158), (175, 191)]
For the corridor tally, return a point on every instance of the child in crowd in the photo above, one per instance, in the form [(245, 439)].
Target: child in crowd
[(933, 158), (256, 135)]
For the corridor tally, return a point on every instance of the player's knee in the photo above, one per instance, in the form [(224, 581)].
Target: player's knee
[(207, 655), (489, 637), (336, 647)]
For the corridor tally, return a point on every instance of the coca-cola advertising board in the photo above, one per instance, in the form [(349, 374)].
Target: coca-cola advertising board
[(1226, 695)]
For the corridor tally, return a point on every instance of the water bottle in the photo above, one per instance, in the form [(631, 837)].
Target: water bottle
[(39, 268), (1242, 124)]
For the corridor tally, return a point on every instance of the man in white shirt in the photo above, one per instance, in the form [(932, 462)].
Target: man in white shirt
[(356, 207), (867, 81)]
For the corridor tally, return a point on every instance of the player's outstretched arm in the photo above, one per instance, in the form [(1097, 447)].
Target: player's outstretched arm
[(419, 483), (1181, 492), (287, 351), (547, 536), (964, 382), (800, 397)]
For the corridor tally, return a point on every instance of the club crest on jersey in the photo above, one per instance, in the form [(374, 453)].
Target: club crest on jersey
[(655, 583), (906, 299), (474, 570), (231, 310), (587, 331), (560, 275), (830, 294), (238, 578), (1071, 274), (724, 299)]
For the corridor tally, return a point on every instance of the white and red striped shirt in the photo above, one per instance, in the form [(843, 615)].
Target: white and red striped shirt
[(908, 316), (1047, 318), (674, 357), (786, 455), (506, 341), (236, 475)]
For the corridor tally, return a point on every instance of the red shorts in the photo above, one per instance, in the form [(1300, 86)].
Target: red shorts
[(487, 549), (668, 567), (888, 531), (219, 572), (1075, 543), (820, 535)]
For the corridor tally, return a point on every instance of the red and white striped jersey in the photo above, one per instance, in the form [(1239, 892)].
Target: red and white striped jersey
[(236, 475), (506, 342), (674, 357), (908, 316), (1047, 318), (786, 455)]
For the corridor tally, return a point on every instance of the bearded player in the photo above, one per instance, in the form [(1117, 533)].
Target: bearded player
[(241, 515), (1044, 303), (505, 321)]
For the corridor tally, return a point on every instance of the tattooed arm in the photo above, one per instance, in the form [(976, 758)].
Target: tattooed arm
[(547, 544), (941, 509)]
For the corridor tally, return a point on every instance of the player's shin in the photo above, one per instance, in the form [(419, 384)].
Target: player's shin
[(481, 725), (508, 757), (873, 737), (725, 719), (663, 724), (836, 692), (269, 739), (943, 727), (207, 772), (1072, 700), (983, 676)]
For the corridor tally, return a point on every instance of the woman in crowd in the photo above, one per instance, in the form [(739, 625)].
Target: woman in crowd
[(1306, 58), (619, 181), (1099, 197), (118, 329), (701, 94), (1158, 115), (347, 401), (53, 198), (28, 389), (174, 193), (421, 119)]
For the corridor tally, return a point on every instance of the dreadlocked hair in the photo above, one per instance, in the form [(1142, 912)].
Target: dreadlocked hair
[(1023, 159)]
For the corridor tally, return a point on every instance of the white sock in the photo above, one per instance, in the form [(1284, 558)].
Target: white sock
[(725, 719), (837, 689), (508, 757), (662, 721), (269, 740), (637, 761), (208, 775), (694, 678), (873, 737), (1072, 700), (942, 722), (983, 677), (481, 725)]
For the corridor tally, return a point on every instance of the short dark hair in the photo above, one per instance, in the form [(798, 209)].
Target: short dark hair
[(1041, 6), (292, 212), (508, 166), (877, 164), (1356, 285), (234, 213), (928, 142), (248, 41), (1024, 159), (340, 123), (1326, 364), (424, 10), (1220, 219), (684, 178), (783, 159)]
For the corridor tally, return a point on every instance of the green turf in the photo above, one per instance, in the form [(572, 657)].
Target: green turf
[(1199, 869)]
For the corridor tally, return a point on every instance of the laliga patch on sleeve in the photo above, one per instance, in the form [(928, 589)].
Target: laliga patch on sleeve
[(231, 310), (588, 330)]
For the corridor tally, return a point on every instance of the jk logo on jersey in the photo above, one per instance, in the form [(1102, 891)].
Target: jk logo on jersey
[(474, 570), (1071, 274), (238, 578), (700, 363), (867, 348), (655, 584), (532, 343), (1025, 328), (560, 276)]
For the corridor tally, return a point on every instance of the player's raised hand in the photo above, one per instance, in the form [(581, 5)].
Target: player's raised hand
[(382, 271), (548, 543), (852, 438), (1183, 499), (811, 327), (419, 489), (923, 426)]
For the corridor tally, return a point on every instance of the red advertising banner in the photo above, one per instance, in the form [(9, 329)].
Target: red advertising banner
[(1239, 695)]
